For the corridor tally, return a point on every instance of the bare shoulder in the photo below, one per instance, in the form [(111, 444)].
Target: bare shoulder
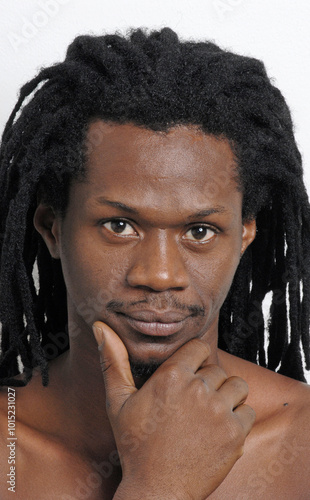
[(14, 402), (276, 458), (274, 397), (265, 384), (283, 415)]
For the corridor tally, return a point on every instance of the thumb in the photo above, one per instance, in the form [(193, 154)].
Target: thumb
[(117, 376)]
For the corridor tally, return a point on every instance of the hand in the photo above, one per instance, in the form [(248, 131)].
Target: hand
[(181, 433)]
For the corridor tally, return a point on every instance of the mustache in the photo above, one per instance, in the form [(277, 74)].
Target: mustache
[(157, 303)]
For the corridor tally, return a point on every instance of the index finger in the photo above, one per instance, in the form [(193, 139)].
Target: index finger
[(191, 355)]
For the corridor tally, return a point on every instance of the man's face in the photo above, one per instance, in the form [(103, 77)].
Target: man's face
[(153, 236)]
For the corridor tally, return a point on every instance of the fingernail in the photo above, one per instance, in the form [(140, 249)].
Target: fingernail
[(98, 336)]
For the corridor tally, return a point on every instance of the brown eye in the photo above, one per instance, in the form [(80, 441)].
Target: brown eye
[(119, 227), (200, 233)]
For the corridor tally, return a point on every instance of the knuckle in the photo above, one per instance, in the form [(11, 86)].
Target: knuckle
[(105, 365), (199, 388), (170, 373), (240, 451), (215, 371), (238, 383), (217, 407), (250, 413), (201, 345), (235, 432)]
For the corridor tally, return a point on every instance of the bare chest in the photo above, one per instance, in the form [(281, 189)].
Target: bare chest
[(48, 474), (270, 468)]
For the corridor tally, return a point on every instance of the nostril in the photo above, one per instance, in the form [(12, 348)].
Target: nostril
[(158, 264), (152, 278)]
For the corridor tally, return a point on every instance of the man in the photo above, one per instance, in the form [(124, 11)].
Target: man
[(166, 193)]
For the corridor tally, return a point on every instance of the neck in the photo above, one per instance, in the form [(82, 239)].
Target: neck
[(78, 385), (77, 382)]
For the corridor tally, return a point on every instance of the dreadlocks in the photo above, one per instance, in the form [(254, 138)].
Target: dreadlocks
[(156, 81)]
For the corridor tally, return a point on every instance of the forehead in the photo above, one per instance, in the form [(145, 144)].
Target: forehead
[(126, 160)]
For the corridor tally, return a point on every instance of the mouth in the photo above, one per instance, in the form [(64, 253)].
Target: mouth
[(155, 324), (151, 335)]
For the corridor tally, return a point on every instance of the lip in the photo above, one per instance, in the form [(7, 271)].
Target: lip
[(155, 328), (156, 324)]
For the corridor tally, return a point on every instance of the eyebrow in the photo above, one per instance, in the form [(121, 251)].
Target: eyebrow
[(122, 206), (208, 211), (117, 204)]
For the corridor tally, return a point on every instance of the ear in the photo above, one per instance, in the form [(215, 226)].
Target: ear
[(47, 223), (248, 234)]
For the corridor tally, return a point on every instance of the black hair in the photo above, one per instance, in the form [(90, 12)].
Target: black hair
[(154, 80)]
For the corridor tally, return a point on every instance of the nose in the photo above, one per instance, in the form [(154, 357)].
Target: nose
[(158, 264)]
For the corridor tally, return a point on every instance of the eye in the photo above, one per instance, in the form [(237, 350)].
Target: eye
[(200, 233), (118, 226)]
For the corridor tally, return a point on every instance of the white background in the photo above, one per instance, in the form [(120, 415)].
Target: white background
[(35, 33)]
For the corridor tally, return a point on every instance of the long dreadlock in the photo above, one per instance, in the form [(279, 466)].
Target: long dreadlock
[(156, 81)]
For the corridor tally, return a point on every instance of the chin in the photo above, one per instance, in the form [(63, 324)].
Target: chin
[(144, 364), (143, 369)]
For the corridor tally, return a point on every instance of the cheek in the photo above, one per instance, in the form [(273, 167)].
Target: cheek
[(93, 276), (213, 276)]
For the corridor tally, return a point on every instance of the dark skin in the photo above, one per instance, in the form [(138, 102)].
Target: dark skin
[(149, 246)]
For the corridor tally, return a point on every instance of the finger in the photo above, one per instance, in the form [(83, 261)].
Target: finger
[(212, 375), (117, 376), (190, 355), (235, 390), (246, 416)]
